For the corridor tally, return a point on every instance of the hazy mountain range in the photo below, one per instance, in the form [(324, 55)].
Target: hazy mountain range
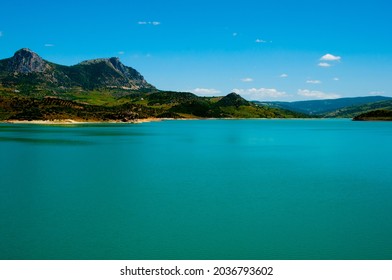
[(341, 107)]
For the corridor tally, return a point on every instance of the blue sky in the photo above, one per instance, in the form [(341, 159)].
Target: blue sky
[(264, 50)]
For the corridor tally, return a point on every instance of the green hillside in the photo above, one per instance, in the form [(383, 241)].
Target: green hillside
[(377, 115), (352, 111), (104, 106)]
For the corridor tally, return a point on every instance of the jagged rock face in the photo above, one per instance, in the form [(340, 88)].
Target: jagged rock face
[(26, 61), (26, 67), (114, 74), (115, 63), (126, 71)]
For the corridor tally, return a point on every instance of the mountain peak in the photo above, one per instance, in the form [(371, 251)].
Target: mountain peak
[(94, 61), (27, 61), (114, 59), (89, 74), (233, 99), (233, 95), (115, 68), (25, 50)]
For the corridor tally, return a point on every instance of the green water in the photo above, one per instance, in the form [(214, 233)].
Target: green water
[(214, 189)]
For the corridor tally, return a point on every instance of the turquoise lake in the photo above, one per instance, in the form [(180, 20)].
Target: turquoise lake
[(206, 189)]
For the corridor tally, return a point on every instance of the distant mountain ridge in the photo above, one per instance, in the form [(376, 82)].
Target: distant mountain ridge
[(324, 107), (353, 111), (27, 67)]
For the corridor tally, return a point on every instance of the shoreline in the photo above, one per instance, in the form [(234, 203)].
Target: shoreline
[(72, 122), (138, 121)]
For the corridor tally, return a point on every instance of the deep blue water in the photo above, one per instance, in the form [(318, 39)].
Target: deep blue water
[(207, 189)]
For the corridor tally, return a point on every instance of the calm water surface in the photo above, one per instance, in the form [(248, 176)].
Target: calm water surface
[(216, 189)]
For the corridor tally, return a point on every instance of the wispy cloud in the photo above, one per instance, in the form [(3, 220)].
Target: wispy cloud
[(324, 64), (260, 41), (49, 45), (336, 79), (330, 57), (148, 22), (284, 75), (121, 52), (317, 94), (247, 80), (206, 91), (261, 93), (235, 34), (313, 82), (1, 33)]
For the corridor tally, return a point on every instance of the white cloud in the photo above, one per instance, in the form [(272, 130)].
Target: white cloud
[(284, 75), (330, 57), (49, 45), (148, 22), (121, 52), (260, 93), (324, 64), (260, 41), (206, 91), (336, 79), (313, 82), (317, 94), (247, 80)]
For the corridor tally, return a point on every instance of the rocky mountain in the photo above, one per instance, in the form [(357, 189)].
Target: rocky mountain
[(25, 61), (28, 68)]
